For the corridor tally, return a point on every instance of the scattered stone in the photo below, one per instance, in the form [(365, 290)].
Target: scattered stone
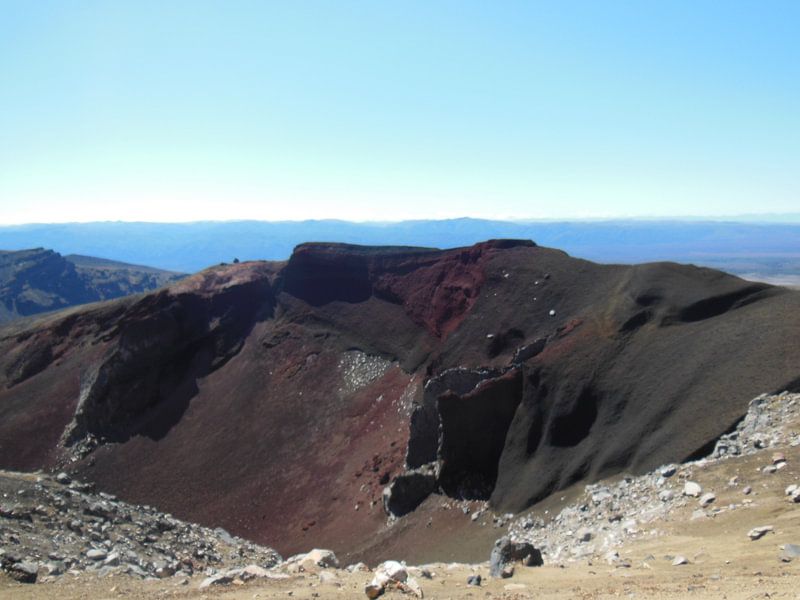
[(746, 491), (63, 478), (124, 538), (584, 534), (680, 560), (220, 579), (668, 471), (54, 568), (328, 578), (474, 580), (758, 532), (322, 558), (778, 457), (507, 552), (691, 488), (666, 495), (707, 499), (789, 552), (23, 571), (96, 554), (392, 574)]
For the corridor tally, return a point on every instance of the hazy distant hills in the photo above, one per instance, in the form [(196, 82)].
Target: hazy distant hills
[(769, 249), (39, 280)]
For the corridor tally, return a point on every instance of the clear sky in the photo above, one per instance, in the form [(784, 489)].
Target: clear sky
[(185, 110)]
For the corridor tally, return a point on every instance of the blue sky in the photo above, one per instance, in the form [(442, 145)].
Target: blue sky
[(175, 111)]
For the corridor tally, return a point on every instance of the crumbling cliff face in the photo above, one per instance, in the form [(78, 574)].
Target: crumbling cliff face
[(318, 394)]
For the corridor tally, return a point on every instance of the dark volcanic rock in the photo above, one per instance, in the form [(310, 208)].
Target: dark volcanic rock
[(296, 391), (165, 341), (23, 571), (425, 423), (506, 552), (473, 434), (408, 491)]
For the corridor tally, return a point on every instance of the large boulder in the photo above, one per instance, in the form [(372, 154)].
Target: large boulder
[(506, 552), (392, 574)]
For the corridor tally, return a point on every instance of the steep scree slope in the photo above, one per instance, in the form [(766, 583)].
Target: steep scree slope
[(279, 400)]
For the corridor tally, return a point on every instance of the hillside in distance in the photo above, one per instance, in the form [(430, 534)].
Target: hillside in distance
[(760, 250), (39, 280), (294, 403)]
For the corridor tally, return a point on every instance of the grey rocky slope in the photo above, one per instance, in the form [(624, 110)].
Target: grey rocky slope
[(605, 515), (50, 526)]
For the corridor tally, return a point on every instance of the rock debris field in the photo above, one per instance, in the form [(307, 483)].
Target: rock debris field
[(723, 526)]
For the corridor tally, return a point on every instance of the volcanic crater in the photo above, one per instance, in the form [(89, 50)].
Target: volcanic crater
[(295, 403)]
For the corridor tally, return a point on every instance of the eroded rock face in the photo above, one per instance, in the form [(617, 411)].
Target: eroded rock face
[(473, 434), (425, 423), (459, 430), (164, 343), (408, 490), (436, 289)]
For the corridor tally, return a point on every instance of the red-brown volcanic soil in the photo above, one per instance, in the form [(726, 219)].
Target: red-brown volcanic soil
[(273, 399)]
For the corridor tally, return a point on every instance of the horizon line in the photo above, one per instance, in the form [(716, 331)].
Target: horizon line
[(772, 217)]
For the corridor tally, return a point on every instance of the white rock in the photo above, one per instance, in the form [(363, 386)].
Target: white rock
[(758, 532), (310, 561), (222, 579), (392, 573), (328, 578), (680, 560), (691, 488), (707, 499), (96, 554)]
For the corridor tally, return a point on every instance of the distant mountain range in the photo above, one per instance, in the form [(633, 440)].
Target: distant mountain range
[(39, 280), (765, 250)]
